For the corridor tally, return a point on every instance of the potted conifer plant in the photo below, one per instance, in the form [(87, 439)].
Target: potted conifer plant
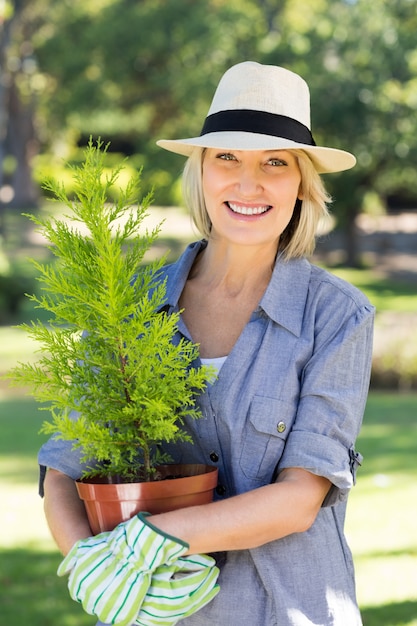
[(115, 381)]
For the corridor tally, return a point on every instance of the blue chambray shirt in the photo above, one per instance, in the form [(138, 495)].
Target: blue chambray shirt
[(290, 394)]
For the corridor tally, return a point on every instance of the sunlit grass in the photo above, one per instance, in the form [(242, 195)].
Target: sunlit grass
[(381, 521), (15, 346), (31, 593), (380, 525), (385, 294)]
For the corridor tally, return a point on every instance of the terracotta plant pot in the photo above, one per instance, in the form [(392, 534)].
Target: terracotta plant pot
[(109, 504)]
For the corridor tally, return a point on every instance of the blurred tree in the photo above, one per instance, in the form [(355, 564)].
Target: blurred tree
[(18, 142), (360, 60), (133, 71), (373, 96), (138, 71)]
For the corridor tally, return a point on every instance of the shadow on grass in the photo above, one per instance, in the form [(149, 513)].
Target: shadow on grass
[(31, 592), (394, 614), (388, 439), (20, 422), (408, 551)]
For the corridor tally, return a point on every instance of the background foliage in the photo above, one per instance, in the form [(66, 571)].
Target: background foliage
[(132, 72)]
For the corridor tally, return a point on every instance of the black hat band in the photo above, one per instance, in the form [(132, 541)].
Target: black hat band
[(260, 122)]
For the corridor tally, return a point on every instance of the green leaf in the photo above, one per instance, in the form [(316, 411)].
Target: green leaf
[(115, 380)]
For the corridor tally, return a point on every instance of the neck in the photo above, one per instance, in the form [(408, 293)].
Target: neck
[(234, 268)]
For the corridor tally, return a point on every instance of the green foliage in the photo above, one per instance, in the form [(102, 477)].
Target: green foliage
[(359, 58), (46, 167), (395, 352), (397, 366), (109, 350), (13, 286)]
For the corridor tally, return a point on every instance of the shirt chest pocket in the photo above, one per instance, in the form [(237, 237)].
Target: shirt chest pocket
[(268, 425)]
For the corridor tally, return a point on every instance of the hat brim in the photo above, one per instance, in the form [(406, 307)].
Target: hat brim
[(325, 160)]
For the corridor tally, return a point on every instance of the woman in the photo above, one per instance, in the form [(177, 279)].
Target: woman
[(292, 346)]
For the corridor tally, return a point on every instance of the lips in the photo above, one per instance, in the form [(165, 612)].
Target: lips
[(242, 209)]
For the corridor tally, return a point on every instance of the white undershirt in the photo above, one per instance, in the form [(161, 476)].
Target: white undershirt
[(215, 363)]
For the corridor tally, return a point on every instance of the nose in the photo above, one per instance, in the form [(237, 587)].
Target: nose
[(249, 181)]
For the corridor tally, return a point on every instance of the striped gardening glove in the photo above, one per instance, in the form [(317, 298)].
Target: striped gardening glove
[(110, 574), (179, 590)]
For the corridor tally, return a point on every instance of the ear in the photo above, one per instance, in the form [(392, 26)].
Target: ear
[(300, 195)]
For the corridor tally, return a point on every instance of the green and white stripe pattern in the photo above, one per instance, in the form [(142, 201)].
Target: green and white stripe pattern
[(179, 590), (110, 574)]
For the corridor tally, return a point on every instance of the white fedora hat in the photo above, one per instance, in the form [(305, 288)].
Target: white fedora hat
[(262, 107)]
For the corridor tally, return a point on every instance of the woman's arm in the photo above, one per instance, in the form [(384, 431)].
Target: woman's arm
[(246, 521), (65, 512), (251, 519)]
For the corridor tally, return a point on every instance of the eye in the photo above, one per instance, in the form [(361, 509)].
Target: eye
[(275, 162), (226, 156)]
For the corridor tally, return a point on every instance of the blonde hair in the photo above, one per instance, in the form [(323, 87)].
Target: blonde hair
[(299, 237)]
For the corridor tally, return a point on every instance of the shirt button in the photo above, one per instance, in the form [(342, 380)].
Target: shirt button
[(214, 457), (281, 427), (220, 490)]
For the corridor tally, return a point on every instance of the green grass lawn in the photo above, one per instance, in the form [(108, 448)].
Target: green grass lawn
[(30, 591), (385, 294), (381, 523)]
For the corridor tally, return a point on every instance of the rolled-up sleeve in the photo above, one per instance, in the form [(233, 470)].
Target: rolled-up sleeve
[(62, 456), (334, 389)]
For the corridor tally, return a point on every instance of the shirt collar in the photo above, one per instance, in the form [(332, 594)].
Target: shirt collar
[(177, 273), (285, 297), (283, 301)]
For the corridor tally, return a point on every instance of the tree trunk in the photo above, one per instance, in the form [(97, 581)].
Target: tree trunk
[(353, 258), (23, 146), (5, 28)]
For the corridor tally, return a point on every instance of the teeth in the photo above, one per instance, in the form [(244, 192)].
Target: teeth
[(258, 210)]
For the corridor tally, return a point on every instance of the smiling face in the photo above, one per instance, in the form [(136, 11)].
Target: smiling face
[(250, 195)]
